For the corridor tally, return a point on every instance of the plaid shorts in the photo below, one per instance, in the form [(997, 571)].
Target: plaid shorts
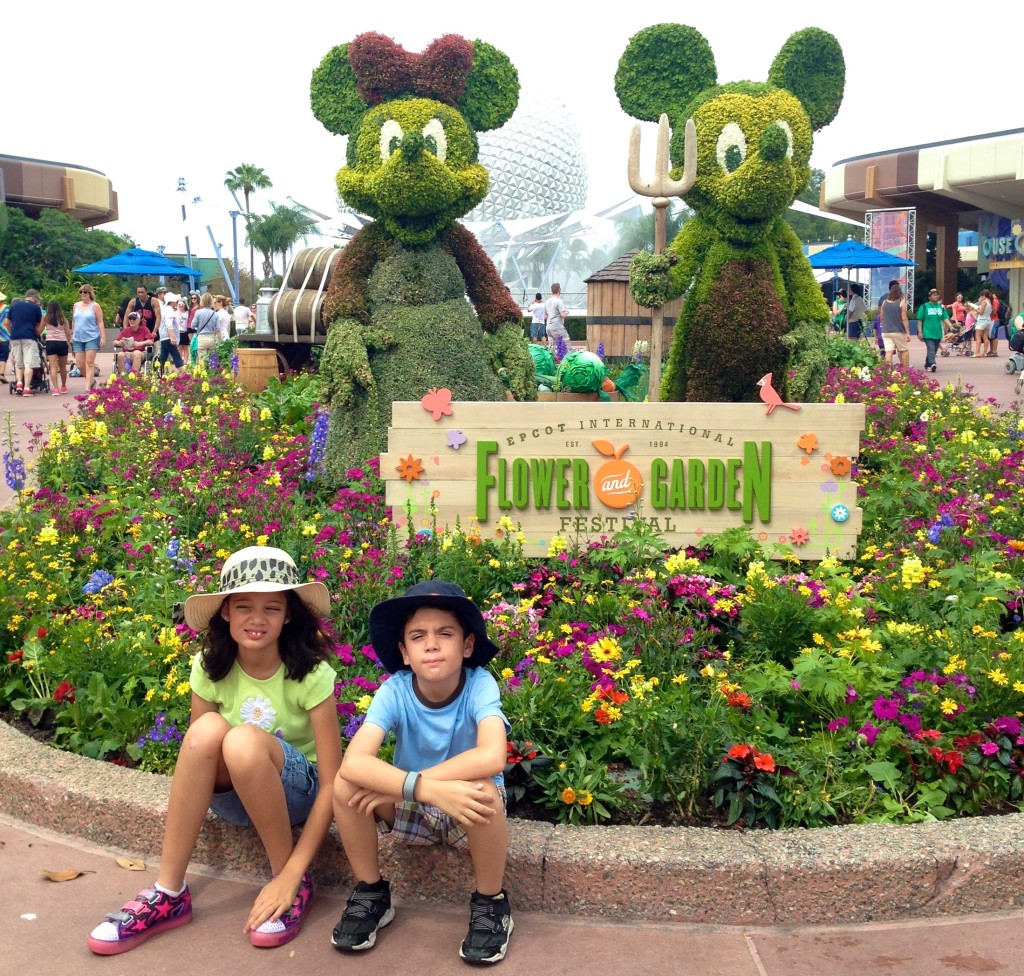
[(424, 825)]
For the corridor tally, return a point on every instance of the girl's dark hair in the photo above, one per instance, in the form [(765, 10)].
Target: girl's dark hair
[(538, 297), (302, 645), (55, 314), (895, 292)]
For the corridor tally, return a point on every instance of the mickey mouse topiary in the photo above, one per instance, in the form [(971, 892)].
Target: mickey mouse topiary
[(752, 304), (399, 320)]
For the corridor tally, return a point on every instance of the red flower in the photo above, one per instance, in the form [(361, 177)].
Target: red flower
[(602, 717), (740, 752), (41, 633), (739, 699), (65, 693), (764, 762), (16, 656), (928, 734)]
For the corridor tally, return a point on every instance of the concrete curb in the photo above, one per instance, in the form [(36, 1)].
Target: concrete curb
[(832, 875)]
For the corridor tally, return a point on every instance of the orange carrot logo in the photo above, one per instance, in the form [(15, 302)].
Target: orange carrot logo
[(617, 483)]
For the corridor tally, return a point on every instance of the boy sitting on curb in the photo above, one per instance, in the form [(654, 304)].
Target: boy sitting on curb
[(446, 785)]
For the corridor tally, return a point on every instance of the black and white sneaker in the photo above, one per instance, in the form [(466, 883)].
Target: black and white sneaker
[(368, 910), (490, 925)]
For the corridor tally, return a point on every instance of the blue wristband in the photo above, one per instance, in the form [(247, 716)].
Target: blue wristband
[(409, 787)]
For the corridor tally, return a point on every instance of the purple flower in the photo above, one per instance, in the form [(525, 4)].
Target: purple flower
[(318, 444), (912, 723), (886, 709), (1007, 724), (14, 471), (870, 733), (851, 694), (989, 748), (838, 723)]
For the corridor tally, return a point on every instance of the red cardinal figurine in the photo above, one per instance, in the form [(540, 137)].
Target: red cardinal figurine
[(770, 396)]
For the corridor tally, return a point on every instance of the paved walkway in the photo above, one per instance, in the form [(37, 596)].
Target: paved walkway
[(45, 925)]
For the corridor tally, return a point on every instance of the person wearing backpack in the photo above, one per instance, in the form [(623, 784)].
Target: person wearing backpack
[(1001, 315)]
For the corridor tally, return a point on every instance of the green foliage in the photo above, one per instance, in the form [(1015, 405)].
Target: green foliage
[(39, 253), (812, 67), (661, 70), (850, 353), (492, 89), (809, 362), (333, 95), (580, 792), (649, 280)]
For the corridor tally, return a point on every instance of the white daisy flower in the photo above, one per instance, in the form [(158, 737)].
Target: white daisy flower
[(258, 712)]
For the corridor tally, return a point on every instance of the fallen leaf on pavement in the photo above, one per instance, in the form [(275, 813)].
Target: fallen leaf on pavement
[(131, 863), (68, 874)]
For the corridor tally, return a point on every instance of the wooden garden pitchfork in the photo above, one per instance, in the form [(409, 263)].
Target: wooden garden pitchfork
[(661, 187)]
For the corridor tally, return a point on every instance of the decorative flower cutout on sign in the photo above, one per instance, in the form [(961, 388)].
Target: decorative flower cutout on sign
[(840, 465), (840, 513), (799, 537), (456, 439), (807, 442), (410, 468), (438, 402)]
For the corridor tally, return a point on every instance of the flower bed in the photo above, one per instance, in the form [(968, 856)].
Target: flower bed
[(728, 684)]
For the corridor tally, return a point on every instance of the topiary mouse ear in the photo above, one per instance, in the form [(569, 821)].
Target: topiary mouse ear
[(811, 66), (492, 89), (333, 95), (662, 69)]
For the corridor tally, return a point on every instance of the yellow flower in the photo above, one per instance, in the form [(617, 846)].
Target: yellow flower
[(680, 679), (584, 798), (364, 703), (49, 534), (265, 413), (948, 706), (997, 676), (507, 673)]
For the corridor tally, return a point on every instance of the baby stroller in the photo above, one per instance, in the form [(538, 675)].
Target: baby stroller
[(1015, 364), (959, 343), (40, 381)]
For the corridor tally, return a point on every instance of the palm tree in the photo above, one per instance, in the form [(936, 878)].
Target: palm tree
[(247, 178), (276, 232)]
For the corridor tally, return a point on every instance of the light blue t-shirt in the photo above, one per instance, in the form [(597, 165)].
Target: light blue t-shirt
[(426, 736)]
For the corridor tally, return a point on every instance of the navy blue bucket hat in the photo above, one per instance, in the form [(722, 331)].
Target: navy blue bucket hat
[(387, 622)]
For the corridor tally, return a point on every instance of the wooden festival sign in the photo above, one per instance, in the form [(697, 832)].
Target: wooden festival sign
[(582, 470)]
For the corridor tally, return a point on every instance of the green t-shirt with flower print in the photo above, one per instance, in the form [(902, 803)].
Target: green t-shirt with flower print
[(276, 704)]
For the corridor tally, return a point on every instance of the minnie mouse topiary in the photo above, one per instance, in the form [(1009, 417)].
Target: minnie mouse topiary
[(399, 319)]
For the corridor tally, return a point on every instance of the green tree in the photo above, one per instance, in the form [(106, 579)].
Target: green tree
[(277, 231), (638, 232), (248, 178), (810, 228), (40, 252)]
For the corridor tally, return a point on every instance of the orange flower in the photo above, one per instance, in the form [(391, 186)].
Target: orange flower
[(739, 751), (410, 468), (739, 699), (840, 465), (764, 762), (568, 795), (602, 717), (799, 536)]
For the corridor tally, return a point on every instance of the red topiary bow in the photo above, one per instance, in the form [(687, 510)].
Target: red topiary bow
[(384, 69)]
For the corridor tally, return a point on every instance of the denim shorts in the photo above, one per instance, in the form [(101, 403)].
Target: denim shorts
[(301, 784), (90, 345)]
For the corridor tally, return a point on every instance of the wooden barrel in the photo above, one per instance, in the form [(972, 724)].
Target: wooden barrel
[(295, 314), (255, 367), (311, 267)]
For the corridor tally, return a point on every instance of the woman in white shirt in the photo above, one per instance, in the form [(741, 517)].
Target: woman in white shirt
[(220, 303)]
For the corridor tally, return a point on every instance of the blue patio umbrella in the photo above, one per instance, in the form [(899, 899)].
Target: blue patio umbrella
[(853, 254), (136, 261)]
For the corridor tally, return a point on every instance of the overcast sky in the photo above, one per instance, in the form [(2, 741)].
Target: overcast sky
[(147, 94)]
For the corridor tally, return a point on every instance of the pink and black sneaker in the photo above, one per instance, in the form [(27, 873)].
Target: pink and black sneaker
[(151, 911), (277, 933)]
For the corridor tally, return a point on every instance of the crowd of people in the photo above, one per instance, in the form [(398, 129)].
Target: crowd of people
[(153, 327), (974, 327)]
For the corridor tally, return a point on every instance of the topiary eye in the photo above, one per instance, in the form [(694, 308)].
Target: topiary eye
[(390, 139), (732, 148), (436, 140)]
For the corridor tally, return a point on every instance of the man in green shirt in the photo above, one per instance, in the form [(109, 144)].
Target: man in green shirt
[(931, 317)]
